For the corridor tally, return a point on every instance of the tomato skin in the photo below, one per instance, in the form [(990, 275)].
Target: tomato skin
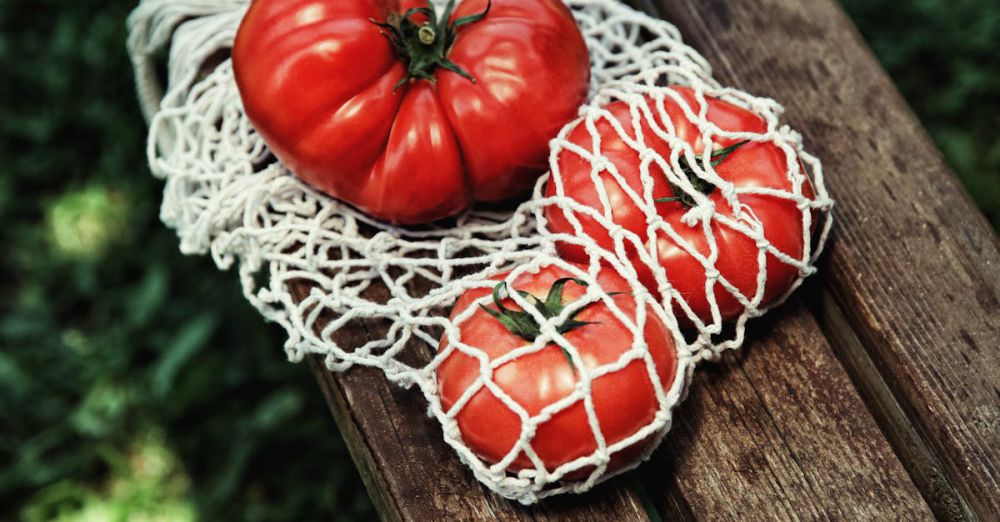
[(624, 401), (751, 165), (316, 78)]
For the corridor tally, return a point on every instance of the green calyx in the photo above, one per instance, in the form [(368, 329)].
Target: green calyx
[(523, 325), (699, 184), (424, 46)]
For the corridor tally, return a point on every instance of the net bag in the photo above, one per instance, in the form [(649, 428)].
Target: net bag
[(319, 268)]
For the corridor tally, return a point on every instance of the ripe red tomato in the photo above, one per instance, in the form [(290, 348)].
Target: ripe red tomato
[(374, 103), (744, 164), (624, 401)]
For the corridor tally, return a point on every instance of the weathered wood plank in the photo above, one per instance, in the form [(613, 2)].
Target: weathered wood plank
[(779, 432), (914, 267), (412, 474), (923, 465)]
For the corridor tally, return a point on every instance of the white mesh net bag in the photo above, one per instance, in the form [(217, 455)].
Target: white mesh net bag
[(646, 203)]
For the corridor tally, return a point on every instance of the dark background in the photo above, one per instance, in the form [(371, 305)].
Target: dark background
[(137, 383)]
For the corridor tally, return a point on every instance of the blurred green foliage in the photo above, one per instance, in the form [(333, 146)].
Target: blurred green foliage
[(137, 384)]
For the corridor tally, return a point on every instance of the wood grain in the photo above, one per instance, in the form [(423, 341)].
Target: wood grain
[(779, 432), (923, 464), (914, 267), (412, 474)]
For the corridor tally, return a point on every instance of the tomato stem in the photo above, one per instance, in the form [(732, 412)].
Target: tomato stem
[(523, 324), (699, 184), (424, 46), (427, 34)]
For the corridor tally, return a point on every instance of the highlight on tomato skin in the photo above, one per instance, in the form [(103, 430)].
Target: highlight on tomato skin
[(405, 112), (625, 401), (746, 164)]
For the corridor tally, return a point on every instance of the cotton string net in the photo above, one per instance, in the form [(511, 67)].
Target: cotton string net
[(317, 266)]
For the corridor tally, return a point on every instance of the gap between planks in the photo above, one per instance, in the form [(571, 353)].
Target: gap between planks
[(913, 268), (778, 431)]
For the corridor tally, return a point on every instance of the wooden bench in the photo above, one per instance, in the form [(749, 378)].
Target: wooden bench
[(875, 394)]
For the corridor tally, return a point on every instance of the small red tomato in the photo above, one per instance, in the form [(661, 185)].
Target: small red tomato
[(405, 115), (746, 165), (624, 401)]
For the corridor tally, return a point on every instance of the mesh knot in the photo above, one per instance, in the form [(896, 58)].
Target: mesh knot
[(602, 164), (702, 212), (728, 192), (379, 244), (790, 134), (648, 154)]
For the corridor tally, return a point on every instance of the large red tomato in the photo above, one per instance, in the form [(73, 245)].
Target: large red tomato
[(408, 117), (624, 401), (744, 164)]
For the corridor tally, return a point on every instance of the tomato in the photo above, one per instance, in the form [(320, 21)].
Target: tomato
[(747, 165), (372, 102), (624, 400)]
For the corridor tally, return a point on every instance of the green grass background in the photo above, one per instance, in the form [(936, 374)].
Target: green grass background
[(136, 384)]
